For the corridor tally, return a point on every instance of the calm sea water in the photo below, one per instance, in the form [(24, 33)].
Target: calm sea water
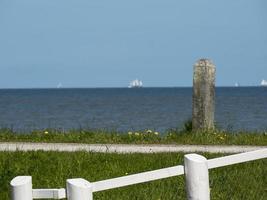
[(242, 108)]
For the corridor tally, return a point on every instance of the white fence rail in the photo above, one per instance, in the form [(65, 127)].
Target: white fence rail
[(195, 169), (138, 178), (49, 193)]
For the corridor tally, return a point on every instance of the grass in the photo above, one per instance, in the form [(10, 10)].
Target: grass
[(51, 169), (215, 137)]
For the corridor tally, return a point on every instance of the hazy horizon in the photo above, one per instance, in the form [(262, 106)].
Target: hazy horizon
[(126, 87)]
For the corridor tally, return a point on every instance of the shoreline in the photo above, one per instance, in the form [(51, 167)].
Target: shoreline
[(146, 137)]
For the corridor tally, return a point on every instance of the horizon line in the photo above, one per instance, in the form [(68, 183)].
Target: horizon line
[(29, 88)]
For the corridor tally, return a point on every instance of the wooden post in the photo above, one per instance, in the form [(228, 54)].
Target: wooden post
[(203, 95), (197, 177), (79, 189), (21, 188)]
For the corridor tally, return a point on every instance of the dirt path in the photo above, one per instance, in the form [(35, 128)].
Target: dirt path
[(123, 148)]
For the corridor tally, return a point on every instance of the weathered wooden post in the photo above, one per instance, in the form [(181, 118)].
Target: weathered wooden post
[(203, 95)]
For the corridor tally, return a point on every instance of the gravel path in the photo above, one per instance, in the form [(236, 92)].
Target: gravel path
[(124, 148)]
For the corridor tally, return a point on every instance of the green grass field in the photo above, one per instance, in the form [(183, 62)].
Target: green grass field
[(216, 137), (246, 181)]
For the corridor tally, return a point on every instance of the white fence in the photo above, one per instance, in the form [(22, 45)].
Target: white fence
[(196, 170)]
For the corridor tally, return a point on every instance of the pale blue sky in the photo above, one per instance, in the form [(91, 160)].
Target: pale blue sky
[(107, 43)]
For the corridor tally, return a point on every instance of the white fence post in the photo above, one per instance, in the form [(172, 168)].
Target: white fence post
[(21, 188), (197, 177), (79, 189)]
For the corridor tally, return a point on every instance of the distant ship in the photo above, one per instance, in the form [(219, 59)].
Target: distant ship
[(263, 82), (59, 85), (237, 85), (136, 84)]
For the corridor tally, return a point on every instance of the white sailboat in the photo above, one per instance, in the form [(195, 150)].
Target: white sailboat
[(263, 82), (59, 85), (135, 84)]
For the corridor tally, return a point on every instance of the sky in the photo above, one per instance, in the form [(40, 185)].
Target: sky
[(108, 43)]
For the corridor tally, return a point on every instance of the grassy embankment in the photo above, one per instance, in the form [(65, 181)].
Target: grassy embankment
[(216, 137), (51, 169)]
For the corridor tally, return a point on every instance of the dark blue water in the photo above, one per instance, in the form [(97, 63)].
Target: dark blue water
[(243, 108)]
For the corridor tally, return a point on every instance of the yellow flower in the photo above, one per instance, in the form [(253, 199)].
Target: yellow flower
[(222, 138), (46, 132), (130, 133), (126, 173), (137, 134), (156, 133)]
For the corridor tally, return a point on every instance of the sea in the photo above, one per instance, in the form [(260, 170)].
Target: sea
[(127, 109)]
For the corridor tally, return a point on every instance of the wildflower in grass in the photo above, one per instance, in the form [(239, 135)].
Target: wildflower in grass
[(149, 131), (130, 133), (136, 133), (46, 132), (126, 173), (221, 137), (156, 133)]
